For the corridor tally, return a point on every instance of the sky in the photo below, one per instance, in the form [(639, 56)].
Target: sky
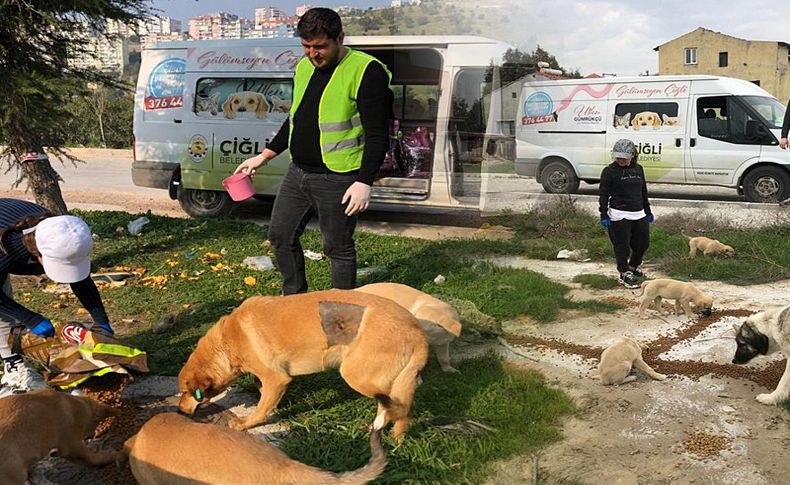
[(603, 36)]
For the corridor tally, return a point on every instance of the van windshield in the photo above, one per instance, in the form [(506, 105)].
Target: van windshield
[(769, 109)]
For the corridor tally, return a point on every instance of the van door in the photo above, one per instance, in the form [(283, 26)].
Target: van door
[(237, 114), (724, 136), (658, 128)]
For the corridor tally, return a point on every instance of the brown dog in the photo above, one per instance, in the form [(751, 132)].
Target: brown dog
[(278, 337), (439, 320), (683, 293), (617, 360), (33, 424), (173, 449), (708, 246)]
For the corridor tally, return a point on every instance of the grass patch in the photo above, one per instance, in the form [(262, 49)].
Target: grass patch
[(330, 422), (596, 281), (193, 273), (761, 253)]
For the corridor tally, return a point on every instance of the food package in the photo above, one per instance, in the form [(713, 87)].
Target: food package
[(77, 353)]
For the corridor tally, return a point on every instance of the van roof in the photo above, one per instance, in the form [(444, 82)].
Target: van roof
[(424, 40), (736, 86)]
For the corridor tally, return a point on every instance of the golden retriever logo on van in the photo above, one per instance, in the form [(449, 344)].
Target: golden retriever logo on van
[(198, 148)]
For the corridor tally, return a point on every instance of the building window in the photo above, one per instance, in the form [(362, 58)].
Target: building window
[(691, 55), (723, 59)]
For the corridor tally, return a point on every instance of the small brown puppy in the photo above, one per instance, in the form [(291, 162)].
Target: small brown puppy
[(617, 359), (33, 424), (683, 293), (439, 320), (708, 246), (173, 449), (277, 337)]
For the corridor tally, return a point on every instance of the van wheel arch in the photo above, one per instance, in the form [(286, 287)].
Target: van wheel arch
[(558, 176), (766, 183)]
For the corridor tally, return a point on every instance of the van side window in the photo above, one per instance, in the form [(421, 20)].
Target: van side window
[(243, 98), (647, 116), (725, 119)]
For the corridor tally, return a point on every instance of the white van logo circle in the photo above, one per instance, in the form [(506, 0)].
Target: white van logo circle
[(198, 148)]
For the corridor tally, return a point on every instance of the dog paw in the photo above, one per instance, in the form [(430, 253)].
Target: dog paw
[(238, 424), (660, 377), (768, 399), (451, 370)]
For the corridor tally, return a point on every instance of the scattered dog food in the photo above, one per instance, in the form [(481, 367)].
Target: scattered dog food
[(705, 445)]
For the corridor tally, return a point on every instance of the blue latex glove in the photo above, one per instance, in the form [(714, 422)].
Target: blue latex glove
[(650, 219), (106, 327), (605, 223), (44, 328)]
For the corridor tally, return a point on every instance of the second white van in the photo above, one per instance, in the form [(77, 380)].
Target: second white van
[(703, 130)]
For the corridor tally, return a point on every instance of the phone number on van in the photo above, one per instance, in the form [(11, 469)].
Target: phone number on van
[(164, 103)]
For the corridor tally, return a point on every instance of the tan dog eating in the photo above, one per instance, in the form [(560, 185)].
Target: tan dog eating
[(439, 320), (171, 449), (617, 360), (33, 424), (708, 246), (278, 337), (683, 293)]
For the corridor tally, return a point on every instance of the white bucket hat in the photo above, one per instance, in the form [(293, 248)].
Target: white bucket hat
[(65, 245)]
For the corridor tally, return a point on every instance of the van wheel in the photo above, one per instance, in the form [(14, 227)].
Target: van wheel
[(766, 184), (559, 178), (205, 203)]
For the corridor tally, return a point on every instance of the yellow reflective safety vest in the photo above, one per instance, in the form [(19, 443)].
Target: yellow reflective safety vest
[(341, 135)]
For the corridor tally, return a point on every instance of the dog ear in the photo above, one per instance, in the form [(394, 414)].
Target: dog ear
[(263, 107), (656, 120), (760, 342), (227, 107)]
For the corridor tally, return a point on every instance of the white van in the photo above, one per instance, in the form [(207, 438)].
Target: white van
[(188, 136), (705, 130)]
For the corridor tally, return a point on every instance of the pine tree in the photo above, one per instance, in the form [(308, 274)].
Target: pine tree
[(37, 37)]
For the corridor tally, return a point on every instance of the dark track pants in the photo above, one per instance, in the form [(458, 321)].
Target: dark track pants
[(630, 240)]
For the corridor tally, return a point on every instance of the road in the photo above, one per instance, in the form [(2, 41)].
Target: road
[(103, 182)]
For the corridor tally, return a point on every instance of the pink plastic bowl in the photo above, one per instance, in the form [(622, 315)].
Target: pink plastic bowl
[(239, 187)]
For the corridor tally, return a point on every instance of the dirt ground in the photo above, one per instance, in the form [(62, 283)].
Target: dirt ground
[(701, 425)]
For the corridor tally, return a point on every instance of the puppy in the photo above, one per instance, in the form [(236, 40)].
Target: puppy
[(439, 320), (765, 333), (646, 118), (245, 101), (670, 120), (617, 359), (34, 423), (377, 344), (683, 294), (708, 246), (171, 448)]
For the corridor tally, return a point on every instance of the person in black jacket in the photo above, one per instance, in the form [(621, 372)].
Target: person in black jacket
[(32, 242), (625, 210), (334, 162)]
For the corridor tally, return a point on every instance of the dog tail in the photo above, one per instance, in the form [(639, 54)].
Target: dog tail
[(374, 467), (642, 287), (684, 235)]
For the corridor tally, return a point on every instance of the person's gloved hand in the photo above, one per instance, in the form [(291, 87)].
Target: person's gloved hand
[(605, 222), (44, 328), (650, 218), (106, 327)]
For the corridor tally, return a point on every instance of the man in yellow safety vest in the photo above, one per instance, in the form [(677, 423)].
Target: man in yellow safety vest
[(337, 134)]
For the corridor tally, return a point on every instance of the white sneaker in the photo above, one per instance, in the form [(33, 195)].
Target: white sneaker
[(20, 377)]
